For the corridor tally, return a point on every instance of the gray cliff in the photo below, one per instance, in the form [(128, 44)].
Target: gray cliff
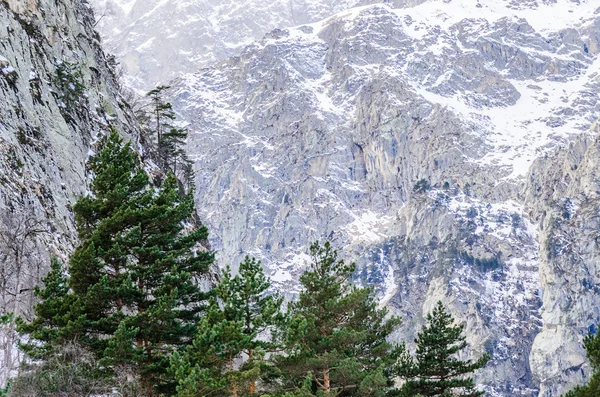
[(447, 147), (58, 93), (158, 40)]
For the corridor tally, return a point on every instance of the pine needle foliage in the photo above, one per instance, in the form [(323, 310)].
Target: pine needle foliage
[(436, 370), (227, 357), (133, 295), (58, 317), (336, 339), (170, 140)]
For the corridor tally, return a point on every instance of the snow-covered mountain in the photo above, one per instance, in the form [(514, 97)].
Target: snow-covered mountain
[(451, 147), (326, 129), (158, 40)]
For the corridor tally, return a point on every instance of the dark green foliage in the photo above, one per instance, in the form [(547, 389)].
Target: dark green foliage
[(59, 316), (435, 370), (170, 140), (4, 391), (592, 389), (422, 185), (207, 368), (68, 81), (134, 276), (6, 318), (481, 264), (336, 337), (229, 334)]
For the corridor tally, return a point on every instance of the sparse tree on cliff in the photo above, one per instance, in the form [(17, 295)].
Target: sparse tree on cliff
[(435, 370)]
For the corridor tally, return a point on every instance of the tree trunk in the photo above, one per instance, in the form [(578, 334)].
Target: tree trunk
[(233, 385), (326, 381), (252, 382)]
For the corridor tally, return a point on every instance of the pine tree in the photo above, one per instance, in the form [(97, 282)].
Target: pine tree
[(592, 389), (135, 273), (230, 334), (58, 317), (436, 371), (207, 367), (170, 140), (336, 338)]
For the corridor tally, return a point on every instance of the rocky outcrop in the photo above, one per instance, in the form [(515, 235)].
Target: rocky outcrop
[(563, 193), (58, 93), (407, 136), (157, 40)]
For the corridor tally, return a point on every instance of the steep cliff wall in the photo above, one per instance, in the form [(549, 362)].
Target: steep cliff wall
[(408, 136), (57, 93)]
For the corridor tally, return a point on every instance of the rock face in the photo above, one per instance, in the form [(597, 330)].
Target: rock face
[(449, 147), (158, 40), (58, 92)]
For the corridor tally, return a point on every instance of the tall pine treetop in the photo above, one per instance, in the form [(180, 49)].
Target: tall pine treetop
[(135, 275), (336, 340), (436, 369), (227, 357)]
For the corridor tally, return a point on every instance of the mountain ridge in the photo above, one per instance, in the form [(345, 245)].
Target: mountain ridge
[(326, 129), (448, 146)]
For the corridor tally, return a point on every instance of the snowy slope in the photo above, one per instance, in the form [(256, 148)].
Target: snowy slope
[(324, 129), (157, 40)]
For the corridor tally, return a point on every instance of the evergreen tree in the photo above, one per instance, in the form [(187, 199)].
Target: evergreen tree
[(336, 338), (436, 371), (207, 367), (170, 140), (592, 389), (58, 316), (135, 273), (230, 334)]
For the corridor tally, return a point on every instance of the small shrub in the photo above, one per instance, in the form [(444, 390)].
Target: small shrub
[(69, 371), (68, 81), (422, 185), (481, 264)]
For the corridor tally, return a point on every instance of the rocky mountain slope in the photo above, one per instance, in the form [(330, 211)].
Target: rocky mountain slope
[(451, 147), (58, 92), (158, 40)]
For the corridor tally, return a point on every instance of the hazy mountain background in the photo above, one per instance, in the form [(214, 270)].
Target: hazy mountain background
[(449, 147)]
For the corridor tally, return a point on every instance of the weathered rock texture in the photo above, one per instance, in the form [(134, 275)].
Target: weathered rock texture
[(450, 147), (57, 93), (158, 40)]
